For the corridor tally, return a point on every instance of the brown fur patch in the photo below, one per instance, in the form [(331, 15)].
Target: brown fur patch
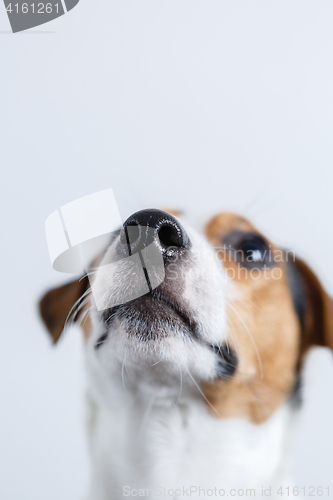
[(55, 306), (176, 213), (263, 329), (318, 320)]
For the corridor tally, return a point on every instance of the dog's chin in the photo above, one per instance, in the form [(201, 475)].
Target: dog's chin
[(157, 339), (152, 317)]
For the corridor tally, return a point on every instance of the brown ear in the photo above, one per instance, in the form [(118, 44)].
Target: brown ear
[(56, 305), (317, 316)]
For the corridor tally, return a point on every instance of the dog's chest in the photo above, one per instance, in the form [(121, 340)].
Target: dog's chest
[(151, 447)]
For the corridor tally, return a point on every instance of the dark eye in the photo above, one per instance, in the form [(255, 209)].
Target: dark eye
[(253, 251), (249, 249)]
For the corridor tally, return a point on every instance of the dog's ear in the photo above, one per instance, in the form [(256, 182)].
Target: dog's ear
[(56, 305), (315, 310)]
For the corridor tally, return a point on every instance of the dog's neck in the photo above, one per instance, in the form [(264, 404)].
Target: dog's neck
[(141, 441)]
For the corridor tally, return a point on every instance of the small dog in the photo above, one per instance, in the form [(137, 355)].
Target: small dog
[(193, 387)]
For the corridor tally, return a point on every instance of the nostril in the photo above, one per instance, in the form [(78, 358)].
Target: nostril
[(169, 236), (142, 228)]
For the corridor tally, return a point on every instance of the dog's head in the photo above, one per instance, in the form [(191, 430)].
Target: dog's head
[(231, 318)]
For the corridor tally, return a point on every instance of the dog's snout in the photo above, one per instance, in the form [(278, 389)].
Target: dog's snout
[(141, 228)]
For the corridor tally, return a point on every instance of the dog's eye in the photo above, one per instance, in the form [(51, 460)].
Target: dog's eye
[(253, 251), (249, 249)]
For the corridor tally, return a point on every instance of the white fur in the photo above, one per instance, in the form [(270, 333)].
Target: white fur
[(151, 442)]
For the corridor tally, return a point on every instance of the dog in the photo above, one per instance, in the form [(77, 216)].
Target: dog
[(194, 386)]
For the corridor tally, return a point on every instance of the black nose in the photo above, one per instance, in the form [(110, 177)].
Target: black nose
[(169, 233)]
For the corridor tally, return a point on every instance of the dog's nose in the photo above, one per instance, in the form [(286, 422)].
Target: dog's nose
[(153, 224)]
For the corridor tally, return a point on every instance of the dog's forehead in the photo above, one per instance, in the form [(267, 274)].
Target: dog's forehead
[(226, 222), (215, 226)]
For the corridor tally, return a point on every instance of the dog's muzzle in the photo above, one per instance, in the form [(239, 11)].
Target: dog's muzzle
[(182, 306), (137, 262), (157, 240)]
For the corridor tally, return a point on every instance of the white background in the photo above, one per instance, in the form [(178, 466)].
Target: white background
[(198, 105)]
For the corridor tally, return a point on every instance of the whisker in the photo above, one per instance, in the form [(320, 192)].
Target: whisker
[(83, 317), (266, 205), (77, 306), (126, 368), (202, 394), (236, 349), (154, 364), (253, 202), (180, 382), (258, 399), (248, 300), (123, 373), (232, 336), (146, 417), (93, 271), (250, 336), (247, 288)]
